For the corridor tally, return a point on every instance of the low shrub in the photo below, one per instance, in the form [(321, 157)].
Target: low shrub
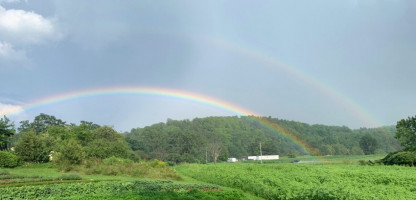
[(157, 163), (291, 155), (400, 158), (70, 177), (118, 166), (115, 160), (171, 164), (369, 162), (71, 153), (3, 173), (133, 156), (8, 159)]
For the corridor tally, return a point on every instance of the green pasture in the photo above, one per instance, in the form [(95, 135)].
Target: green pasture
[(336, 180), (327, 177), (44, 181)]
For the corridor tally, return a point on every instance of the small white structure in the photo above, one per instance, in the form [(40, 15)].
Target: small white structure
[(265, 157), (51, 155), (253, 157), (232, 160)]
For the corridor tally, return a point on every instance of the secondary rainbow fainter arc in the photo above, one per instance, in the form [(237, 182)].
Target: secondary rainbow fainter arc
[(180, 94), (274, 63)]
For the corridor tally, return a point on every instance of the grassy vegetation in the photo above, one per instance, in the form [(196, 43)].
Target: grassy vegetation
[(114, 166), (329, 177), (120, 189), (336, 180), (173, 195), (46, 181)]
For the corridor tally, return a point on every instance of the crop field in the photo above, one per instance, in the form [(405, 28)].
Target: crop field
[(328, 177), (7, 179), (119, 189), (44, 181), (309, 181)]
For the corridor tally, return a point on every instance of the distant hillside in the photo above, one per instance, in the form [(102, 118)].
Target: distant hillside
[(195, 140)]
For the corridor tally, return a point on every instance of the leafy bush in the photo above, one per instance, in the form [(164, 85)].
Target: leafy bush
[(369, 162), (8, 159), (106, 143), (116, 166), (115, 160), (156, 163), (400, 158), (32, 148), (71, 153), (133, 156), (171, 164), (291, 155)]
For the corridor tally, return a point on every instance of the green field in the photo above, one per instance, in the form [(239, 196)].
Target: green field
[(44, 181), (310, 181), (328, 177)]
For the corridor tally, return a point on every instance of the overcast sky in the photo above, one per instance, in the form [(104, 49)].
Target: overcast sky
[(330, 62)]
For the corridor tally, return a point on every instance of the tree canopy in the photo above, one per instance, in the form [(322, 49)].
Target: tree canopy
[(406, 133), (47, 135), (6, 131), (197, 140), (180, 140), (368, 144)]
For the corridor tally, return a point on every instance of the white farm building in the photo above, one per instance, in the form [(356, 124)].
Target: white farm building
[(265, 157)]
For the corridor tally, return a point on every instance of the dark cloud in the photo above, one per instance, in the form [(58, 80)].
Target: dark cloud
[(362, 51)]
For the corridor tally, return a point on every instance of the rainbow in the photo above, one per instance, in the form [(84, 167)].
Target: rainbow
[(269, 61), (164, 92)]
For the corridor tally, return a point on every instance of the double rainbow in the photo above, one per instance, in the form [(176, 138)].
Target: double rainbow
[(308, 79), (164, 92)]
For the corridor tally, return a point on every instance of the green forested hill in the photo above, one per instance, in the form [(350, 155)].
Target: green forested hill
[(203, 138)]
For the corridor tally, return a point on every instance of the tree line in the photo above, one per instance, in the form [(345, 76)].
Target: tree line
[(47, 138), (192, 140), (199, 140)]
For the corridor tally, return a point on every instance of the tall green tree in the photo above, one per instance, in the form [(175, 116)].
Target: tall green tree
[(6, 131), (215, 147), (82, 133), (107, 142), (406, 133), (31, 148), (42, 122), (59, 132), (368, 144), (270, 148), (89, 125), (24, 126)]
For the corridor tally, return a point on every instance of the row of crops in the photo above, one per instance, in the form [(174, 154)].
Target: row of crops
[(143, 189), (299, 181), (7, 179)]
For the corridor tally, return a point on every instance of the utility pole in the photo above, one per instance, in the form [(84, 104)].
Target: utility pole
[(261, 155), (206, 156)]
